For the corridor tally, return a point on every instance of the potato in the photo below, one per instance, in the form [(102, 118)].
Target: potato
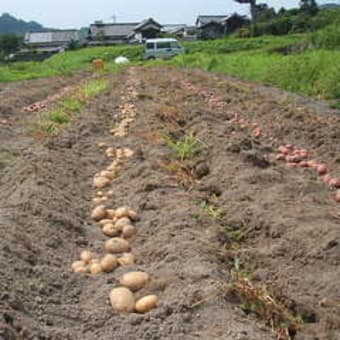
[(86, 256), (122, 300), (113, 166), (100, 194), (108, 263), (132, 215), (82, 269), (122, 212), (102, 145), (77, 264), (97, 201), (104, 221), (117, 245), (127, 259), (110, 213), (109, 193), (96, 268), (94, 261), (110, 230), (134, 280), (98, 213), (122, 222), (146, 303), (108, 174), (128, 152), (101, 182), (129, 231)]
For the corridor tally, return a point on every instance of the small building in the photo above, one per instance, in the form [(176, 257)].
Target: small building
[(109, 34), (120, 33), (54, 40), (41, 45), (211, 26), (147, 29)]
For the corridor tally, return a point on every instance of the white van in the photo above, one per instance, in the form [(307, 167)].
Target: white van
[(162, 48)]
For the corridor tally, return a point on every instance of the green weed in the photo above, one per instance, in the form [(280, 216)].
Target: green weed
[(185, 148), (58, 117), (94, 88), (71, 104)]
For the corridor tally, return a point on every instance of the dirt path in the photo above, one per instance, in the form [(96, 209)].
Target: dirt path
[(232, 207)]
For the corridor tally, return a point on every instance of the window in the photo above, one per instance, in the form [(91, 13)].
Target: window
[(163, 45), (174, 44), (150, 46)]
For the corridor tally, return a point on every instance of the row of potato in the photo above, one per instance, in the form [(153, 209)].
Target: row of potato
[(294, 156), (118, 225)]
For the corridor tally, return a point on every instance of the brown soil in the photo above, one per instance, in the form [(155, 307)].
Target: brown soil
[(231, 206)]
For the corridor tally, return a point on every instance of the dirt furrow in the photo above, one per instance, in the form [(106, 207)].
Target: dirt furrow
[(213, 225)]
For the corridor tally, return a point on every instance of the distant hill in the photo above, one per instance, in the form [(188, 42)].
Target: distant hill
[(330, 5), (9, 24)]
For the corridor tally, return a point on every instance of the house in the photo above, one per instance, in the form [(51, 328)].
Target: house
[(120, 33), (180, 31), (50, 41), (211, 26), (147, 29), (108, 34), (41, 45)]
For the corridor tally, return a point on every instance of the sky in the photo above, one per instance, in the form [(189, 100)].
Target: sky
[(76, 14)]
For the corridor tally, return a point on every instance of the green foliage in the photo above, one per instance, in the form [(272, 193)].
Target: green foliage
[(315, 73), (58, 117), (68, 62), (9, 43), (94, 88), (184, 149), (71, 104), (232, 44), (328, 37)]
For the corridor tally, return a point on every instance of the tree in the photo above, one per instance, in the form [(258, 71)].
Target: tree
[(252, 4), (9, 43), (309, 6)]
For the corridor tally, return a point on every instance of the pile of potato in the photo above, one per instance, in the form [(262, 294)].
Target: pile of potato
[(122, 298), (117, 157), (118, 225)]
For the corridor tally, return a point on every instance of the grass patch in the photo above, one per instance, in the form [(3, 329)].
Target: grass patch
[(58, 117), (314, 73), (94, 88), (185, 148), (68, 62), (52, 122), (71, 104), (269, 307), (183, 172)]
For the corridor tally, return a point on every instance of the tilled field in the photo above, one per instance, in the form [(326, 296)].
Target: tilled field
[(239, 232)]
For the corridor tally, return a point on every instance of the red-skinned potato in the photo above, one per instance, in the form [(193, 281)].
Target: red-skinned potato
[(337, 196)]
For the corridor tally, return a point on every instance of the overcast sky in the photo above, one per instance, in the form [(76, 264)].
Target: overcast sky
[(75, 14)]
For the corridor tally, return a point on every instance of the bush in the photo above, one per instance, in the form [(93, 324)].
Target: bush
[(327, 38)]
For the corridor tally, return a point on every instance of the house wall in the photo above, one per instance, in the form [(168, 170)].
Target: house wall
[(213, 31)]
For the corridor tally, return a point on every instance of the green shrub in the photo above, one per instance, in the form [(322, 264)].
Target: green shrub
[(328, 37)]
